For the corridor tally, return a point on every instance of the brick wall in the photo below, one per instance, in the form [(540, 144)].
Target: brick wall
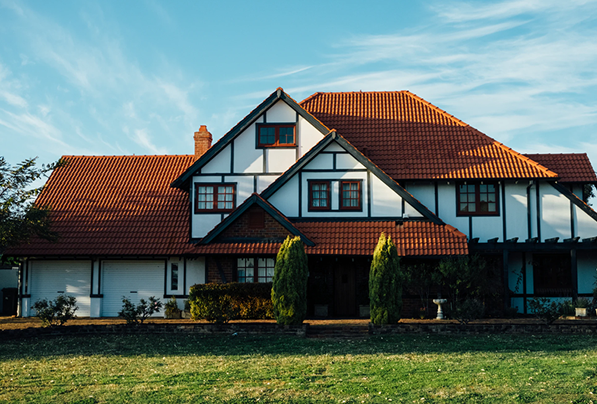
[(218, 265), (271, 230)]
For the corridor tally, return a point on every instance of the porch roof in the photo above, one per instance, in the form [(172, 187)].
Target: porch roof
[(412, 238)]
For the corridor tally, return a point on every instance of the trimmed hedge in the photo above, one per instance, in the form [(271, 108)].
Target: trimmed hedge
[(222, 302)]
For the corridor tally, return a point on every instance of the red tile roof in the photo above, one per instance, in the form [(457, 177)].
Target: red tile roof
[(571, 167), (116, 205), (360, 238), (409, 138)]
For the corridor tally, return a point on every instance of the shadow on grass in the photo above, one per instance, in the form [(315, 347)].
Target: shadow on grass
[(181, 345)]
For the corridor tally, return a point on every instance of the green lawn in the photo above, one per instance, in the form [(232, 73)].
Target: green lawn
[(179, 369)]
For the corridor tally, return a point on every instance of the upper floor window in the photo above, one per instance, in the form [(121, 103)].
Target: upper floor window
[(350, 195), (246, 273), (477, 199), (276, 135), (319, 195), (214, 198)]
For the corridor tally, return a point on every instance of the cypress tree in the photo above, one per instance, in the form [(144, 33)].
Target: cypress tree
[(385, 288), (289, 289)]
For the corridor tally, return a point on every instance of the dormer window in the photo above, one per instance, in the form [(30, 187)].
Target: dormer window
[(276, 135)]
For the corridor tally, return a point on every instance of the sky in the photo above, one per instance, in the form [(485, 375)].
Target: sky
[(140, 77)]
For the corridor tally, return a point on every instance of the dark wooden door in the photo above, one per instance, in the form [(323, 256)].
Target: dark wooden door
[(345, 290)]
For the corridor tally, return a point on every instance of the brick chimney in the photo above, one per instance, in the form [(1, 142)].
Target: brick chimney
[(202, 141)]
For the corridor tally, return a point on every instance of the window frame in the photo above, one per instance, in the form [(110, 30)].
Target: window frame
[(255, 277), (477, 201), (277, 127), (341, 199), (215, 197), (310, 183), (174, 270)]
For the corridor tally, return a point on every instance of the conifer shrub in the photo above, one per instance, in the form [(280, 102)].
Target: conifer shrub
[(385, 283), (222, 302), (289, 290)]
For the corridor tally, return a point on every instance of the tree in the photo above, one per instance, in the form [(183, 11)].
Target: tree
[(385, 283), (289, 289), (20, 217)]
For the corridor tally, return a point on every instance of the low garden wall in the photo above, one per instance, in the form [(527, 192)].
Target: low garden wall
[(440, 327), (205, 329)]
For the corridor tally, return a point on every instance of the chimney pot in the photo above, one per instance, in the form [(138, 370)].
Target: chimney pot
[(203, 141)]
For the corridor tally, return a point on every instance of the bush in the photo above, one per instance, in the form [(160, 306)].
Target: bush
[(171, 308), (385, 288), (289, 289), (222, 302), (56, 312), (467, 310), (545, 309), (138, 314)]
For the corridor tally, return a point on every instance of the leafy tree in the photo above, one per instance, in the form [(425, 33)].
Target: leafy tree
[(289, 289), (20, 217), (385, 283)]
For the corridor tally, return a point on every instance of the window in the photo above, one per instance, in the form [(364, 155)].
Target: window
[(174, 276), (245, 269), (552, 275), (276, 135), (350, 195), (319, 195), (214, 198), (477, 199)]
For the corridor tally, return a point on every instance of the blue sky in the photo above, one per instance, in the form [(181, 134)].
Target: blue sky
[(139, 77)]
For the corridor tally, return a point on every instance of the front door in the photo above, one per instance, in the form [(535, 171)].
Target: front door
[(345, 289)]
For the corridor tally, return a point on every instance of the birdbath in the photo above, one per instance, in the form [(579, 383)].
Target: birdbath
[(440, 313)]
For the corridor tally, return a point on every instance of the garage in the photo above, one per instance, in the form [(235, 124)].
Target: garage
[(134, 280), (48, 279)]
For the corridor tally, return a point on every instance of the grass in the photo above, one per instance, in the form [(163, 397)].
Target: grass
[(180, 369)]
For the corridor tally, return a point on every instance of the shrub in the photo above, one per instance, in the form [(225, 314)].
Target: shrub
[(171, 308), (545, 309), (567, 308), (56, 312), (467, 310), (289, 289), (222, 302), (139, 313), (385, 288)]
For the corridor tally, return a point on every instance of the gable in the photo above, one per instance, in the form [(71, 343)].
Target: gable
[(334, 161), (409, 138), (238, 152), (254, 225)]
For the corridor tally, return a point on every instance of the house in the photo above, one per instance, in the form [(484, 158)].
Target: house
[(336, 169)]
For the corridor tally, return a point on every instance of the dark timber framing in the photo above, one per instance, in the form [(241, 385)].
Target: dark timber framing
[(346, 145), (247, 121)]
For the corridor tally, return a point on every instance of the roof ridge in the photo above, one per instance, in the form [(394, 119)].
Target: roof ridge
[(437, 109), (555, 154), (520, 155), (126, 155)]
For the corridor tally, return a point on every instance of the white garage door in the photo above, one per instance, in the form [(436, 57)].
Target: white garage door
[(135, 280), (48, 279)]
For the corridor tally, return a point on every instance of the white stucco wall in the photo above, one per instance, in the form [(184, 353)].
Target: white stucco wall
[(220, 163), (280, 112), (587, 271), (385, 202), (424, 193), (516, 210), (287, 197), (555, 213), (247, 158), (309, 136)]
